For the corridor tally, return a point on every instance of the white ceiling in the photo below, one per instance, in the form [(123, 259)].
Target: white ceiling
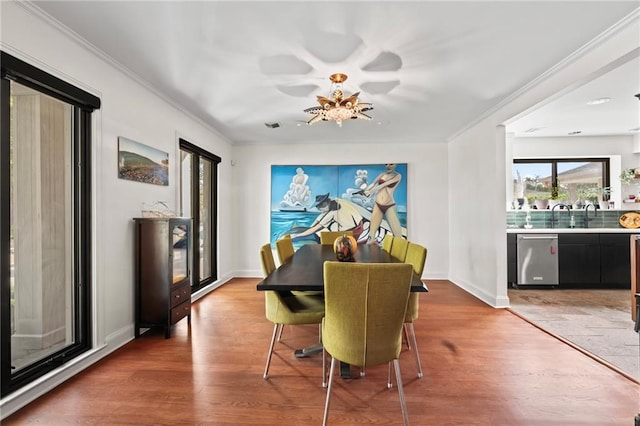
[(572, 114), (430, 68)]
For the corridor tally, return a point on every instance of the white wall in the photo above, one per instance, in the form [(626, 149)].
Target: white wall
[(477, 257), (427, 196), (128, 109)]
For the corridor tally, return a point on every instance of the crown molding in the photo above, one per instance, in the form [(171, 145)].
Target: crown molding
[(616, 28), (48, 19)]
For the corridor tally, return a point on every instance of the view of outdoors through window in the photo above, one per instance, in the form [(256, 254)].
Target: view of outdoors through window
[(572, 182)]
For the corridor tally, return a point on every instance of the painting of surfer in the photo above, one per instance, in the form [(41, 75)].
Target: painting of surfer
[(309, 199)]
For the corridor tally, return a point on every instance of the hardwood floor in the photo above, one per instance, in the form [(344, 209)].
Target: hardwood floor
[(482, 366)]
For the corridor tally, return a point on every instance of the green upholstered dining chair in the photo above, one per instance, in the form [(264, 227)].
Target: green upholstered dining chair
[(284, 247), (285, 250), (416, 257), (287, 309), (266, 259), (387, 243), (365, 305), (399, 248), (329, 237)]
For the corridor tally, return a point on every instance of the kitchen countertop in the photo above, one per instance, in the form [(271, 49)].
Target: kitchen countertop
[(573, 231)]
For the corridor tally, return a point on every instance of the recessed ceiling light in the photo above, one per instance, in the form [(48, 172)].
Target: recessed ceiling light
[(599, 101)]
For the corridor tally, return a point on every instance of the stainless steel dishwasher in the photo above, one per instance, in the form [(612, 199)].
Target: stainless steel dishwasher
[(537, 259)]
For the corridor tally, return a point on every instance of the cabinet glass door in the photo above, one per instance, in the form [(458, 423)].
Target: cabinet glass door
[(180, 234)]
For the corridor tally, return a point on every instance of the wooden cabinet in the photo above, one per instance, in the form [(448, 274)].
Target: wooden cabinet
[(163, 272)]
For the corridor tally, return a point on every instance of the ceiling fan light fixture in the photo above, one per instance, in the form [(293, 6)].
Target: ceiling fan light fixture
[(338, 77), (338, 108)]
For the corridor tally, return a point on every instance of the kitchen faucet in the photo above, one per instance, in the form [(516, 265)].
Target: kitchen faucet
[(553, 219), (586, 214)]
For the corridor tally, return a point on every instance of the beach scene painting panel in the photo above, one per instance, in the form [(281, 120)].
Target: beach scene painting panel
[(370, 200), (142, 163)]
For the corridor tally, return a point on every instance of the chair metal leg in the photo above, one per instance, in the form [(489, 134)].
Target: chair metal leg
[(405, 336), (403, 403), (324, 360), (280, 334), (389, 385), (326, 404), (412, 333), (276, 327), (324, 368)]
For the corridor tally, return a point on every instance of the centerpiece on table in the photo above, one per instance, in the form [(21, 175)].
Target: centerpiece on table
[(345, 247)]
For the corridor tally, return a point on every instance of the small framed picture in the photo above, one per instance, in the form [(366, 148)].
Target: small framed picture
[(142, 163)]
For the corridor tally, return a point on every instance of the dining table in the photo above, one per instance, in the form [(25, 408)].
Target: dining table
[(305, 272)]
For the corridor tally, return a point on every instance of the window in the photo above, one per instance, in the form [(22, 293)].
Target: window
[(45, 245), (198, 200), (569, 180)]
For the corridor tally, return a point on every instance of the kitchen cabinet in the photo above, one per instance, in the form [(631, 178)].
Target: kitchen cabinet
[(162, 272), (512, 258), (615, 260), (585, 260), (579, 259)]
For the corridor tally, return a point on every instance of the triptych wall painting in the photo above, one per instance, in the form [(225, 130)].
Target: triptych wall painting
[(368, 199)]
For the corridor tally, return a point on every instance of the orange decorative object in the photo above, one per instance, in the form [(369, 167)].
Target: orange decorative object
[(345, 247)]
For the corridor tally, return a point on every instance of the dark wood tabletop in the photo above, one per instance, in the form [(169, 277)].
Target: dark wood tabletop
[(304, 272)]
